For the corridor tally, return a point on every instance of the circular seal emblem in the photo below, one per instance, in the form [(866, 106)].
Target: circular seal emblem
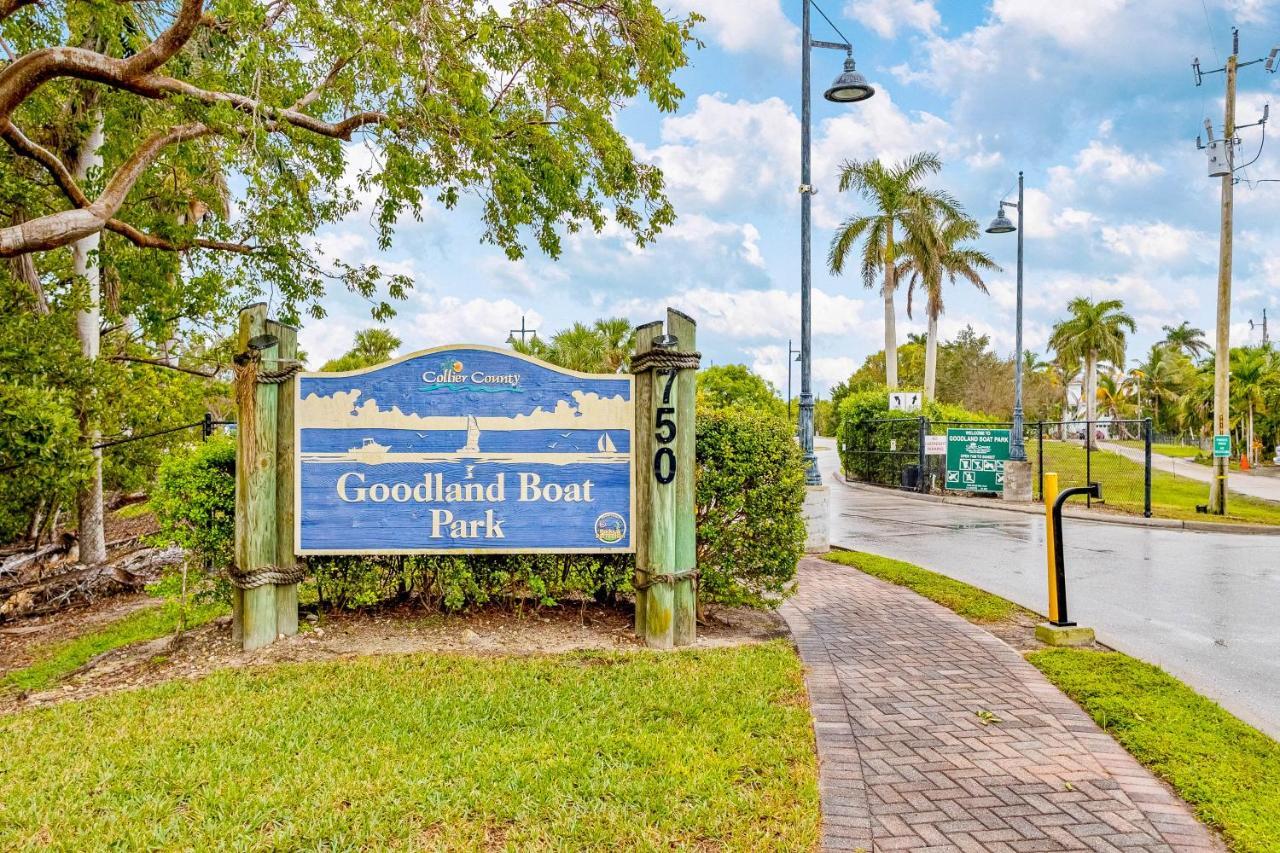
[(611, 528)]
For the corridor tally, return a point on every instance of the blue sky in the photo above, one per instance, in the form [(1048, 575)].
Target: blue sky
[(1093, 99)]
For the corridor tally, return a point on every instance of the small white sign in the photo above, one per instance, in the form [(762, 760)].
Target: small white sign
[(935, 445), (904, 401)]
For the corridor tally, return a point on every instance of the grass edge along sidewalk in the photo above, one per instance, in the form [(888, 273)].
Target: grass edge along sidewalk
[(1228, 771), (585, 750)]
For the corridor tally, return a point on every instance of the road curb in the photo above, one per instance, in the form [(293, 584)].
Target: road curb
[(1070, 512)]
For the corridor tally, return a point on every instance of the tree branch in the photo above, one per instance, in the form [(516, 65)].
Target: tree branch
[(155, 362), (309, 98), (25, 146), (8, 7), (67, 226), (144, 240)]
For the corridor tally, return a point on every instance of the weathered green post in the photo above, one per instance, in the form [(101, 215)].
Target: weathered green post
[(264, 576), (666, 554)]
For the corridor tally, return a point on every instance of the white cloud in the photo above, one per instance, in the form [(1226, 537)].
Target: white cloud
[(1152, 241), (756, 314), (886, 16), (756, 27), (1109, 164), (726, 152), (448, 319), (771, 363)]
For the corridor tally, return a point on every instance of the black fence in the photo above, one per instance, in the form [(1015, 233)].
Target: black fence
[(1115, 454)]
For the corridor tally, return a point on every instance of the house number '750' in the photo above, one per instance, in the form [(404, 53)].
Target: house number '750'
[(664, 460)]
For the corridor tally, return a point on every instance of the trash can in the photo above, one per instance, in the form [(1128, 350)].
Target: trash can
[(911, 478)]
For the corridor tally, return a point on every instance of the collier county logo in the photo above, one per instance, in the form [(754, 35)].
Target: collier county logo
[(453, 376), (611, 528)]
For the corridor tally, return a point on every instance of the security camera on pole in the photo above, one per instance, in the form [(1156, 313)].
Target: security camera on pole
[(849, 87)]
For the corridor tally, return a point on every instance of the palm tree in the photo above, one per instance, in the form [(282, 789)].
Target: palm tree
[(1094, 331), (619, 338), (928, 258), (902, 206), (1186, 338), (1032, 363), (1161, 378), (1253, 375)]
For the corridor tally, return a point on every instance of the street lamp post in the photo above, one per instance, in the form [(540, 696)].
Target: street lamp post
[(1002, 225), (522, 331), (793, 355), (850, 87)]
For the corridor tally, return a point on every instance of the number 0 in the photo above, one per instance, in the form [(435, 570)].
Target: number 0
[(669, 474)]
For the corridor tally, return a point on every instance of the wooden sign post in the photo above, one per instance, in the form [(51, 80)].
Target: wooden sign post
[(666, 546), (265, 575), (464, 449)]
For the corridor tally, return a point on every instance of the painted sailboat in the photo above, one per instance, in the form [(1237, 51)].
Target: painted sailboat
[(473, 436), (605, 444), (369, 451)]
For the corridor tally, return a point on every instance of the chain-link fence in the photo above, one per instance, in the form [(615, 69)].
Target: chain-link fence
[(1116, 454)]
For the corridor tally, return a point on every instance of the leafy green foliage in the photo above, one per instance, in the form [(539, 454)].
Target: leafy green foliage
[(750, 493), (735, 385), (570, 752), (194, 502), (1228, 771), (605, 346), (40, 454), (451, 583), (870, 434)]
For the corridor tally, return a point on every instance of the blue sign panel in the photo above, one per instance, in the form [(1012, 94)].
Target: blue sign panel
[(464, 449)]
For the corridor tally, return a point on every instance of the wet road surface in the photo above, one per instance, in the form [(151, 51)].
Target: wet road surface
[(1204, 606)]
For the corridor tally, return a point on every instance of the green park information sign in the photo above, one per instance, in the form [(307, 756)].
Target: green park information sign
[(975, 459)]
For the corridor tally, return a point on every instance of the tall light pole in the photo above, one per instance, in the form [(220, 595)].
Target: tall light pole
[(793, 355), (1002, 225), (522, 331), (850, 87)]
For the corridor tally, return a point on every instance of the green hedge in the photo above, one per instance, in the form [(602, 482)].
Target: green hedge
[(750, 489), (876, 443)]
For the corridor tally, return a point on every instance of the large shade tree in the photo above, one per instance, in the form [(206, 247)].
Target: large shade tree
[(1094, 331), (901, 208), (125, 123)]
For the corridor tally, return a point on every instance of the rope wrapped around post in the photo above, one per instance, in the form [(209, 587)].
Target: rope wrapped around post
[(264, 576), (661, 359)]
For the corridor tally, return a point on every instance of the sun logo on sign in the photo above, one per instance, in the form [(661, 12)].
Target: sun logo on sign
[(457, 367)]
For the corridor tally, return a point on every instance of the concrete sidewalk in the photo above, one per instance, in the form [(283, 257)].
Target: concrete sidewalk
[(896, 683), (1254, 485)]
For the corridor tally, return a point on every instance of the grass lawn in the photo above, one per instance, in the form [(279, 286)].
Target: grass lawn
[(1227, 770), (1171, 496), (55, 661), (705, 749)]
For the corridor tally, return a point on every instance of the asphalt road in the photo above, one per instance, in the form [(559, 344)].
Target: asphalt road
[(1205, 606)]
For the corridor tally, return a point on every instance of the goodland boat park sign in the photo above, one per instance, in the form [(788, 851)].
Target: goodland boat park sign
[(464, 449)]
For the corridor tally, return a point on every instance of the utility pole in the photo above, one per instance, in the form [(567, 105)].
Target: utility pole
[(1222, 164), (1265, 338), (1222, 345)]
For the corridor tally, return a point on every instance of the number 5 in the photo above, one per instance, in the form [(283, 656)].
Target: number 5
[(666, 426)]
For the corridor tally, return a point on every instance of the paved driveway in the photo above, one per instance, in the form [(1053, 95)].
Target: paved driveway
[(1202, 605), (1266, 486)]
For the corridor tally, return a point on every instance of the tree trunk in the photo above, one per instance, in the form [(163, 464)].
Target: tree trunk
[(1090, 397), (890, 319), (86, 266), (931, 355), (1249, 447)]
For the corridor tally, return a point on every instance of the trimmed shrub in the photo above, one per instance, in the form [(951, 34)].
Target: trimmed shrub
[(873, 441), (194, 501), (750, 495)]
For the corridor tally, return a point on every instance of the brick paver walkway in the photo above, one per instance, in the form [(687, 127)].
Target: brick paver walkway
[(906, 763)]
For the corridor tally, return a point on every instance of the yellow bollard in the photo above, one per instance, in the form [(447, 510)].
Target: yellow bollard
[(1050, 495)]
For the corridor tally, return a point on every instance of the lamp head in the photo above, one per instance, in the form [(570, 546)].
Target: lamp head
[(1001, 224), (850, 87)]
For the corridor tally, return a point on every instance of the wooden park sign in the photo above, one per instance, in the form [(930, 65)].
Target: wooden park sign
[(464, 449)]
